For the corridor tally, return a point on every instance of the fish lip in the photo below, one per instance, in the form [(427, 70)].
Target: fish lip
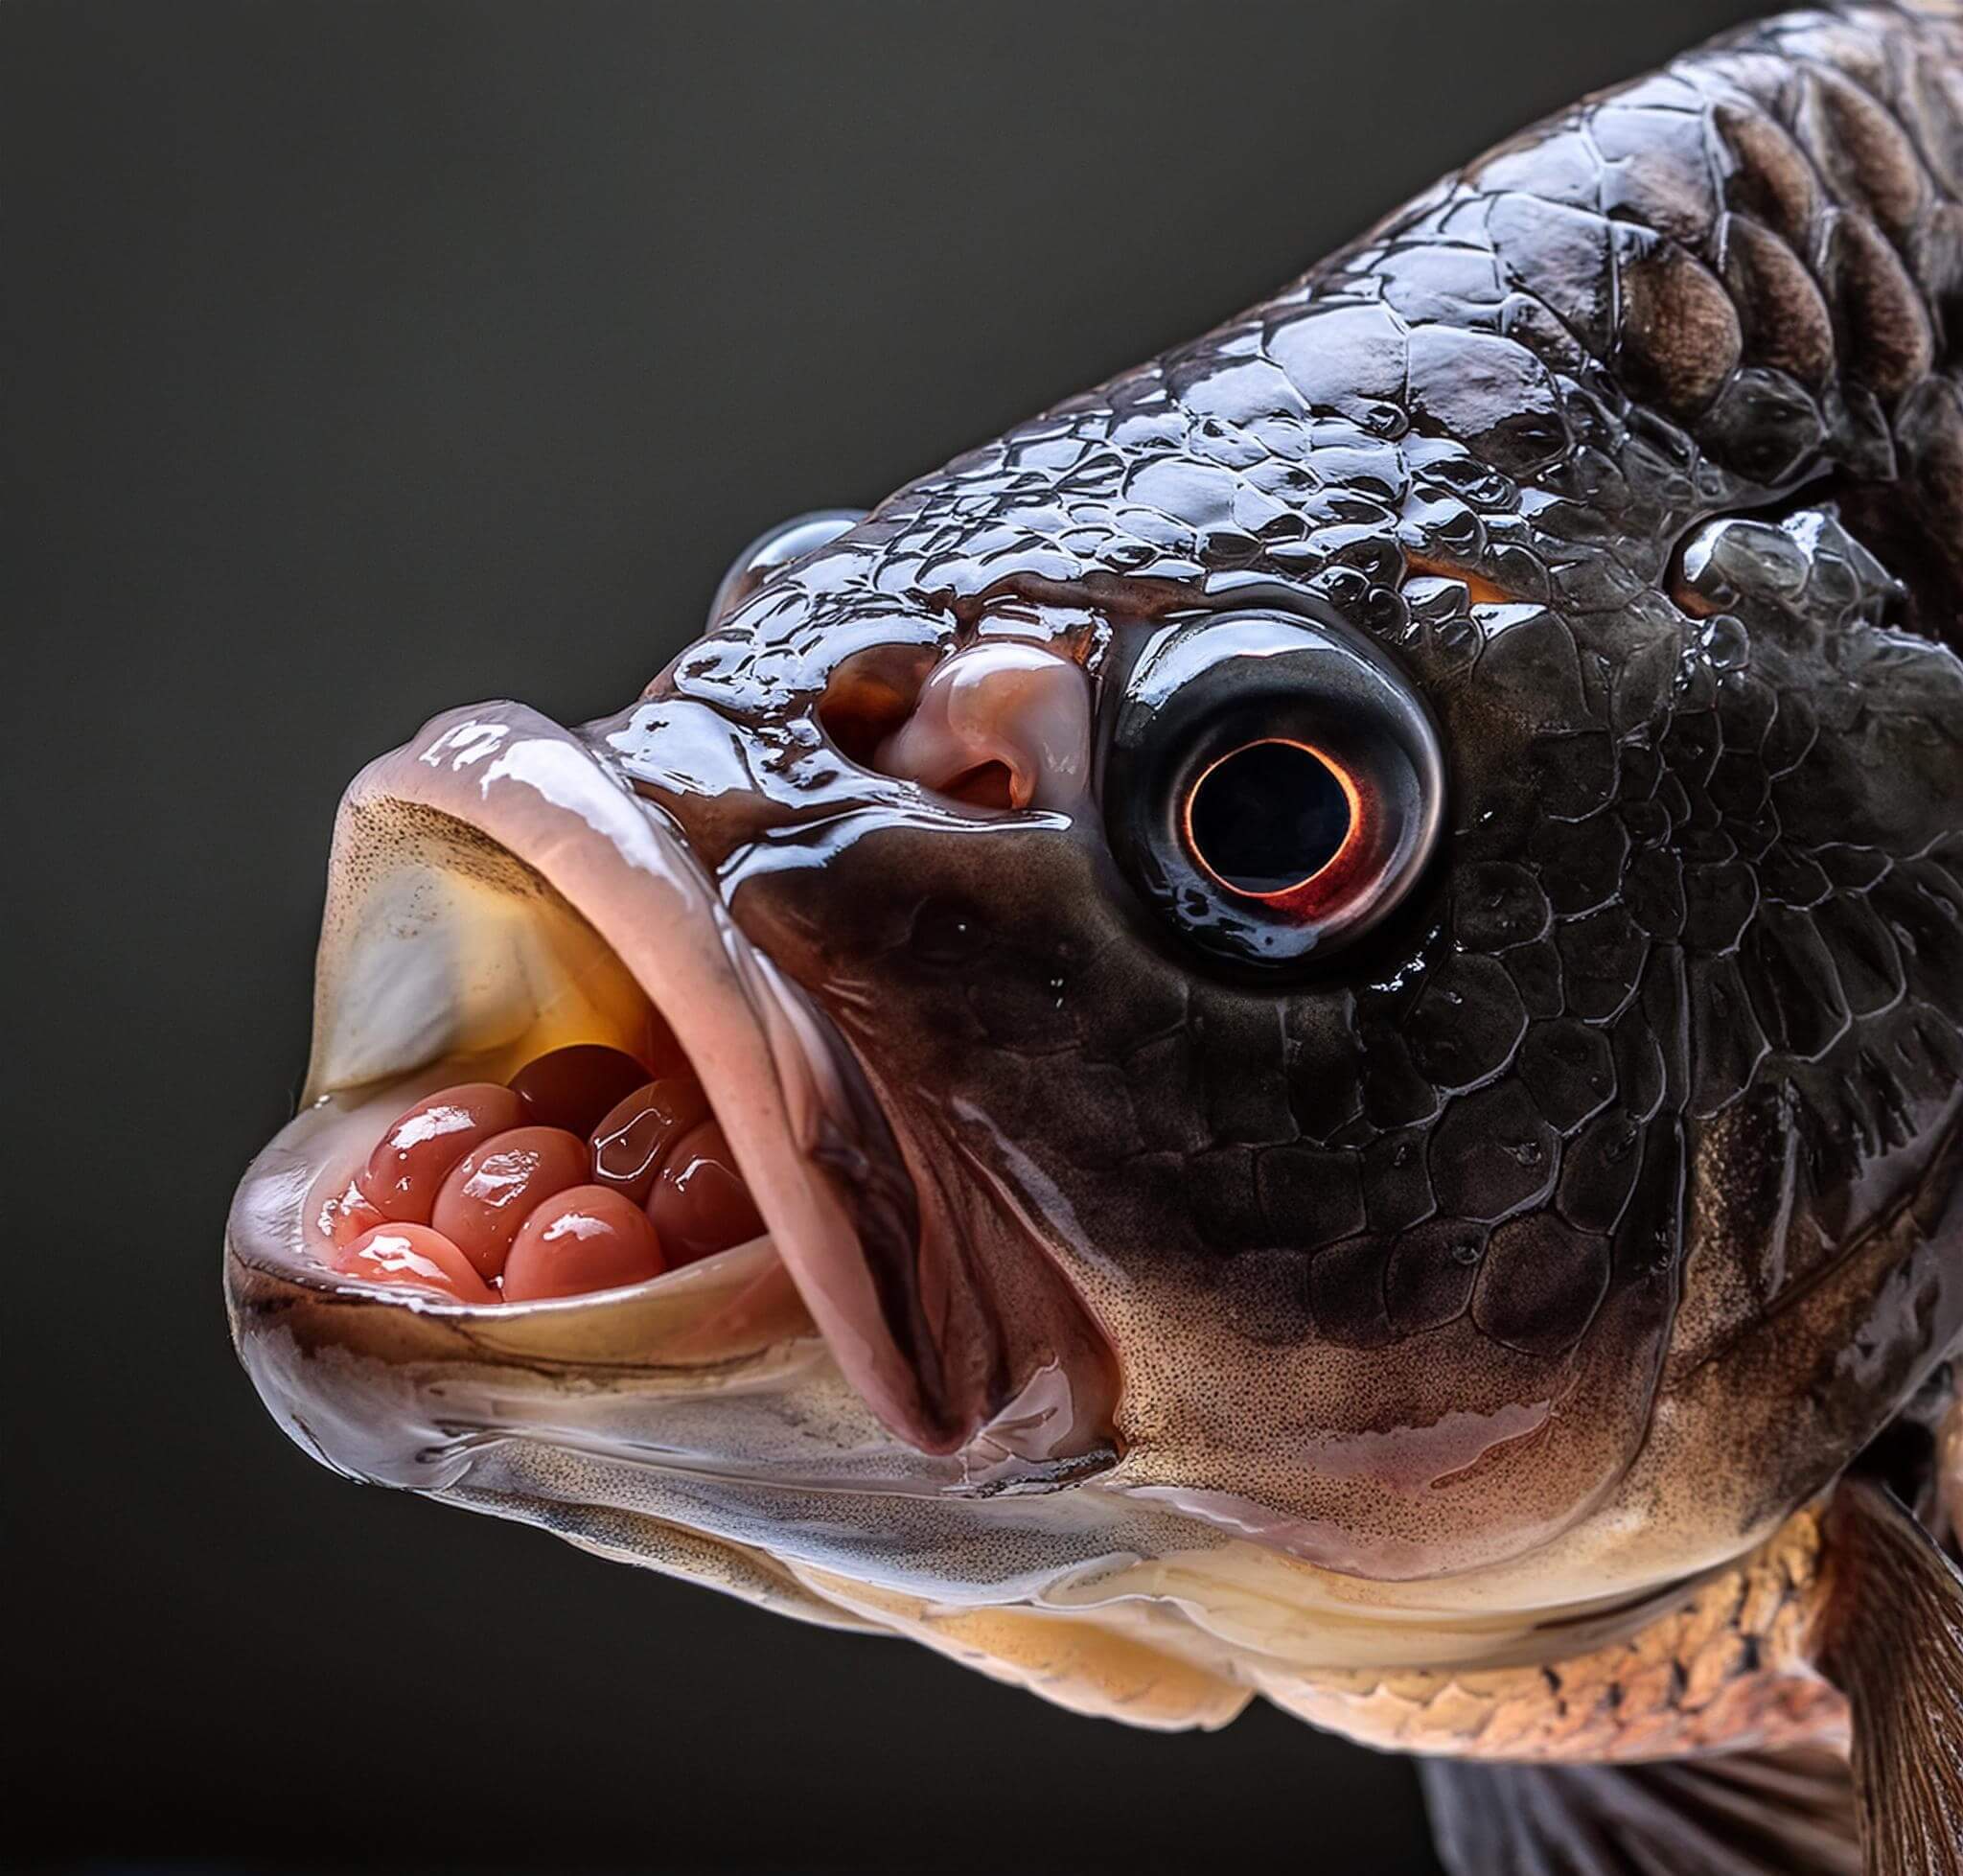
[(799, 1114)]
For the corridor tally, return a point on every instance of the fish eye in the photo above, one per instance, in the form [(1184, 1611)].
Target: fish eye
[(1273, 783)]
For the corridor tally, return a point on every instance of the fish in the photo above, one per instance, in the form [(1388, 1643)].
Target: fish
[(1296, 1032)]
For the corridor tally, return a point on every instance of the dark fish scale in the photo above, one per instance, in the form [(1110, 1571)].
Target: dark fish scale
[(1238, 1043), (1396, 1092), (1603, 953), (1431, 1273), (1322, 1105), (1346, 1294), (1568, 1067), (1932, 112), (1541, 1282), (1223, 1207), (1491, 1154), (1396, 1182), (1467, 1023), (1536, 973), (1581, 863), (1599, 1170), (1159, 1077), (1866, 157), (1641, 1071), (1298, 1184), (1497, 904), (1787, 329), (1726, 1043), (1887, 343), (1771, 178)]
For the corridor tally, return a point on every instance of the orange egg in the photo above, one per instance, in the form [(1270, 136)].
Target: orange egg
[(492, 1190), (630, 1143), (700, 1203), (573, 1087), (413, 1158), (417, 1258), (589, 1238)]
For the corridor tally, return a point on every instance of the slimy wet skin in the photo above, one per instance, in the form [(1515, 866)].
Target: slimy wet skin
[(1298, 1031)]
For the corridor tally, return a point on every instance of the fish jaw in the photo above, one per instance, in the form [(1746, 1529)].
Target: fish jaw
[(496, 887)]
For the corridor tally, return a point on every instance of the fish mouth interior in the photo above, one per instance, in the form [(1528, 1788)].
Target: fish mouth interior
[(496, 892), (504, 971)]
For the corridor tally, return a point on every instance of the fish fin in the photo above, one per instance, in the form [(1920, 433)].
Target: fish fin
[(1787, 1814), (1892, 1641)]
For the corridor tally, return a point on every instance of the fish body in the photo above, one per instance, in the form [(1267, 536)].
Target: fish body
[(1337, 970)]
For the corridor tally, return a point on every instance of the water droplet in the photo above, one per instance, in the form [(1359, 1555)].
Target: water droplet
[(945, 933)]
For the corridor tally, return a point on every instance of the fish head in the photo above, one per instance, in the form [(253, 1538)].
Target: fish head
[(1344, 954)]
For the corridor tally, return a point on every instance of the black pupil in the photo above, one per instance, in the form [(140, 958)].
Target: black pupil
[(1268, 816)]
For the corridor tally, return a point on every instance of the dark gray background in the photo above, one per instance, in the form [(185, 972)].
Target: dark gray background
[(363, 360)]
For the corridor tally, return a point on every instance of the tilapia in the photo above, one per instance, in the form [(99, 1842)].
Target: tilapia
[(1297, 1031)]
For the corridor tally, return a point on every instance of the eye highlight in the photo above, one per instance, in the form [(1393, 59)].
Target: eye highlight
[(1273, 783)]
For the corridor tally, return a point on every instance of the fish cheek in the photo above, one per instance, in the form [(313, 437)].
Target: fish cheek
[(1276, 1390), (1312, 1340)]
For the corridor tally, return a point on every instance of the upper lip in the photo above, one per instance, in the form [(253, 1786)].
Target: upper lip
[(824, 1168)]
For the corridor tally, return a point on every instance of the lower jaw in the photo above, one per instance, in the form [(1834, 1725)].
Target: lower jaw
[(715, 1370)]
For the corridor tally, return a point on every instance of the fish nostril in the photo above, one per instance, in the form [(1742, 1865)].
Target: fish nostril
[(986, 785), (870, 695), (999, 725)]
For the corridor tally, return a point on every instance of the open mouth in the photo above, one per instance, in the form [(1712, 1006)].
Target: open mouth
[(592, 1168), (552, 1079)]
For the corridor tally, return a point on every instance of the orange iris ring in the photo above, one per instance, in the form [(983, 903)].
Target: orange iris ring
[(1315, 896)]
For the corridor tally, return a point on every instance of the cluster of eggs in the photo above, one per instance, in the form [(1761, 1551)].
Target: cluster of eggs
[(588, 1170)]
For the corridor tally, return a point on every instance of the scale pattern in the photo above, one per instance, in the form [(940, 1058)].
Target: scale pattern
[(1731, 1668)]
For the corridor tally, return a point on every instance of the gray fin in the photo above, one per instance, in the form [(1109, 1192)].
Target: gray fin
[(1892, 1642), (1786, 1814)]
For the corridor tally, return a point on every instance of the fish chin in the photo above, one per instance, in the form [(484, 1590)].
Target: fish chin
[(496, 891)]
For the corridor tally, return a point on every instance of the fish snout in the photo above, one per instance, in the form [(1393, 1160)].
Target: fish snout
[(567, 1129)]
